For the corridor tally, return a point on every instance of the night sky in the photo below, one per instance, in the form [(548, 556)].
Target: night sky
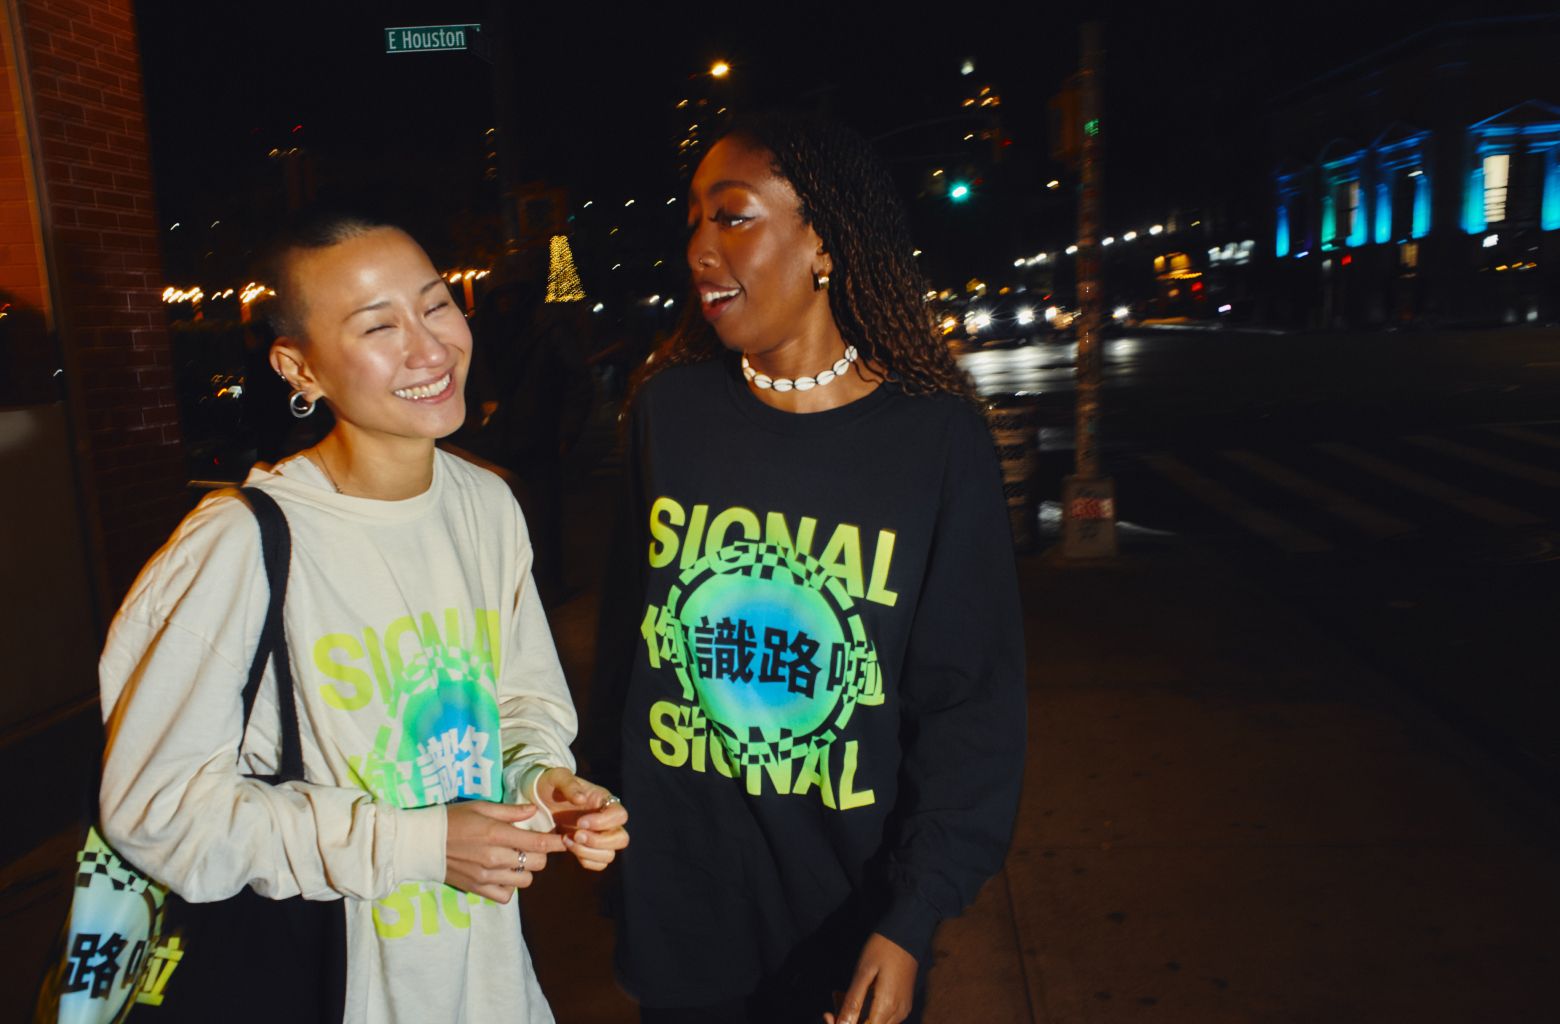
[(1186, 89)]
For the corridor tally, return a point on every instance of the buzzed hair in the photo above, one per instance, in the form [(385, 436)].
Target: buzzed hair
[(284, 312)]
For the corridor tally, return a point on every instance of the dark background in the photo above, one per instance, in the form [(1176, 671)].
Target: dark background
[(1187, 87)]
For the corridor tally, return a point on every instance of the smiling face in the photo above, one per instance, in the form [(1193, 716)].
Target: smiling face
[(752, 255), (382, 341)]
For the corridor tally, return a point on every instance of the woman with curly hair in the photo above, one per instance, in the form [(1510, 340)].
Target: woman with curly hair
[(810, 682)]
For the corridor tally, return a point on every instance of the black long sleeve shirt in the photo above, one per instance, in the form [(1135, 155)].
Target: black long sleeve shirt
[(810, 687)]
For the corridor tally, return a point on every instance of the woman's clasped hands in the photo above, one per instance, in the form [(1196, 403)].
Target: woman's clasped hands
[(487, 853)]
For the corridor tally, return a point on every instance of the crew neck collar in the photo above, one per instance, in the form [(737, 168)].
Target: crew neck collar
[(299, 478)]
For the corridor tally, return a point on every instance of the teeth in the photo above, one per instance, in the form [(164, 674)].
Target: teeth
[(710, 298), (425, 390)]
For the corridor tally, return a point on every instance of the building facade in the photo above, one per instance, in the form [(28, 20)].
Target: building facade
[(1421, 184)]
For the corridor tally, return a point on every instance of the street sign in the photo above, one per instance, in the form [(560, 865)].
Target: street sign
[(429, 38)]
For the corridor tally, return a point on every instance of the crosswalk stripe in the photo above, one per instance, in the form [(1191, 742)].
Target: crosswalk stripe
[(1286, 535), (1489, 460), (1487, 509), (1373, 521), (1524, 434)]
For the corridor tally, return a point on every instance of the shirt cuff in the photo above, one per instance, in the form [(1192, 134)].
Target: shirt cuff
[(909, 924), (524, 791), (419, 844)]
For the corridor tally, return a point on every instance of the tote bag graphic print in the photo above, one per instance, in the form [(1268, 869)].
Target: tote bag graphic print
[(112, 955)]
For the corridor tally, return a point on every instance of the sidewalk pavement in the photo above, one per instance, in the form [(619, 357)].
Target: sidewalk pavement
[(1226, 818)]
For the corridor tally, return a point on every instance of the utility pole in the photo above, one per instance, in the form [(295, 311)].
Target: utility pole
[(504, 92), (1089, 499)]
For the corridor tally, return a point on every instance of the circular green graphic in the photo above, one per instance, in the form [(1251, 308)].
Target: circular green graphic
[(450, 729), (773, 647)]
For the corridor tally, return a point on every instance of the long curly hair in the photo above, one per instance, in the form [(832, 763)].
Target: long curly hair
[(876, 291)]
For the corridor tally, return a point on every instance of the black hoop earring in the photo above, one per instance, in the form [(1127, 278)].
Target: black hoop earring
[(300, 405), (820, 282)]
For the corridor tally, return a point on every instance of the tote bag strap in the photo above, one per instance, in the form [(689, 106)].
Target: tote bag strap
[(276, 551)]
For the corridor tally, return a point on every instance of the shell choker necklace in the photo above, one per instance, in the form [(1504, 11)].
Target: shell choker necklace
[(823, 379)]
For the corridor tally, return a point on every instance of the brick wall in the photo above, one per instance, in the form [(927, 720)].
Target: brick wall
[(21, 261), (82, 67)]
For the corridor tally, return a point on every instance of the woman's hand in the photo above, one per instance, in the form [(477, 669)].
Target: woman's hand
[(589, 818), (486, 854), (888, 973)]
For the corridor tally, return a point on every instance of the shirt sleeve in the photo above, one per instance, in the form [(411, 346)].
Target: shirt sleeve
[(173, 799), (964, 698), (536, 711)]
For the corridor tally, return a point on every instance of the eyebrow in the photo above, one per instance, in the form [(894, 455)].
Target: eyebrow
[(728, 183), (374, 307)]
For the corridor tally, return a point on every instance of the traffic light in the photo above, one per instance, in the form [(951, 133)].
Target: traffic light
[(958, 191)]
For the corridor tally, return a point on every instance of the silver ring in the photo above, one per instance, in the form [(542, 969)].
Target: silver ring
[(613, 799), (521, 865)]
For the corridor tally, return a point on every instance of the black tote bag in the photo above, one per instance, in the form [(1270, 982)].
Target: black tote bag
[(249, 958)]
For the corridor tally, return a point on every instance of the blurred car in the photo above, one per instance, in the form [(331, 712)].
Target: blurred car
[(1018, 318), (949, 317)]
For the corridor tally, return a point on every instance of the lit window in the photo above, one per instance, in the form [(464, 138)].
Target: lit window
[(1355, 233), (1408, 255), (1497, 174), (1549, 209)]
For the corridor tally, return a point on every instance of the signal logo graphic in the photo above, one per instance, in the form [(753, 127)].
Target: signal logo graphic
[(770, 645)]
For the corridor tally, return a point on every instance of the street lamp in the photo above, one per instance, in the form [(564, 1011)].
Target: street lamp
[(720, 69)]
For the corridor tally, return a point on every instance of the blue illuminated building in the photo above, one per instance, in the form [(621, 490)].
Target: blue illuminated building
[(1422, 182)]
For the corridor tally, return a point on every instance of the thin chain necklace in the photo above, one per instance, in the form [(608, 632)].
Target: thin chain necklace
[(824, 379), (319, 457)]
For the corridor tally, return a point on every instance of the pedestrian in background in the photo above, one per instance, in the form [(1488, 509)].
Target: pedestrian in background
[(534, 373), (810, 677), (432, 711)]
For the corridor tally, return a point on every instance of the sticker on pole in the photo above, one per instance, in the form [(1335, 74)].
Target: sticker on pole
[(1088, 518)]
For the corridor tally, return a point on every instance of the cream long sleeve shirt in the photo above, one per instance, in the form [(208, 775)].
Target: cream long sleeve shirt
[(425, 673)]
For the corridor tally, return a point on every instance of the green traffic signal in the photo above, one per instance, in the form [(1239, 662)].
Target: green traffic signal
[(958, 191)]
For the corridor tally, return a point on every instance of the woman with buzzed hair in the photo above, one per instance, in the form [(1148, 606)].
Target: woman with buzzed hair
[(432, 714)]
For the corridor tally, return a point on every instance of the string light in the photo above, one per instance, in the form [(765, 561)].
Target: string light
[(247, 294)]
